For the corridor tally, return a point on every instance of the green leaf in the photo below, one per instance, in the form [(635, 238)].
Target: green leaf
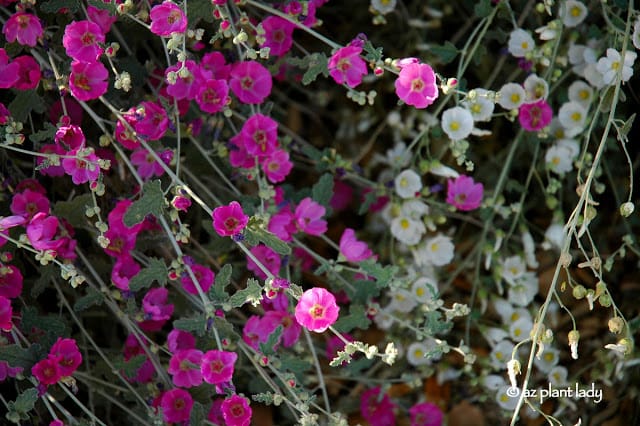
[(483, 8), (373, 54), (217, 292), (48, 132), (74, 210), (369, 198), (363, 291), (318, 64), (16, 356), (26, 400), (252, 293), (151, 202), (446, 52), (197, 10), (294, 364), (198, 413), (93, 297), (268, 347), (47, 273), (224, 328), (382, 274), (255, 232), (626, 127), (54, 6), (357, 318), (155, 271), (131, 367), (197, 325), (24, 102), (48, 323), (101, 4), (322, 191)]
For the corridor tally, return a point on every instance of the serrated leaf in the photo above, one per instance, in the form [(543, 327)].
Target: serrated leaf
[(93, 297), (357, 318), (252, 293), (74, 210), (151, 202), (225, 329), (31, 319), (322, 191), (155, 271), (24, 102), (268, 347), (42, 135), (197, 10), (217, 292), (446, 52), (197, 325), (272, 241), (382, 274), (318, 64), (624, 130), (17, 356), (130, 368), (363, 291), (101, 4), (54, 6), (299, 62), (47, 273), (198, 414), (373, 54), (294, 364), (26, 400), (312, 152), (369, 199), (483, 8)]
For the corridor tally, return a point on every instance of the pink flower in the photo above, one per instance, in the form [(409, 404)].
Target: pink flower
[(81, 40), (101, 17), (251, 82), (178, 339), (378, 412), (283, 224), (154, 305), (268, 257), (425, 414), (28, 73), (204, 276), (290, 327), (88, 80), (71, 136), (47, 371), (121, 241), (7, 371), (307, 216), (238, 155), (278, 35), (352, 249), (9, 72), (123, 134), (147, 164), (215, 63), (4, 112), (342, 195), (277, 166), (41, 230), (10, 281), (213, 96), (217, 366), (236, 411), (83, 166), (335, 344), (152, 122), (66, 354), (257, 329), (176, 405), (464, 193), (229, 220), (189, 86), (6, 312), (260, 135), (184, 366), (53, 171), (215, 413), (346, 66), (181, 203), (317, 309), (56, 422), (167, 18), (535, 116), (28, 203), (416, 85), (123, 270), (24, 28)]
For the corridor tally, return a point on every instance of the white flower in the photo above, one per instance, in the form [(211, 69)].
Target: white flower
[(572, 13), (399, 155), (520, 329), (507, 398), (555, 129), (536, 88), (635, 37), (520, 43), (593, 76), (513, 268), (572, 116), (493, 382), (443, 171), (423, 289), (580, 56), (525, 289), (457, 123), (547, 360), (529, 249), (557, 376), (407, 230), (384, 319), (494, 335), (437, 251), (383, 6), (581, 92), (610, 65), (415, 209), (549, 31), (416, 354), (558, 159), (501, 353), (408, 183), (512, 95), (402, 301), (571, 145), (480, 106), (554, 236), (504, 309)]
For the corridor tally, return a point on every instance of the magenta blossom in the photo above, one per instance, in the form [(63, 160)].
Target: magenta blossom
[(267, 257), (9, 72), (41, 230), (152, 122), (47, 371), (217, 366), (155, 306), (123, 270), (317, 309), (24, 28), (146, 163), (377, 411), (6, 312), (51, 170), (277, 35), (353, 249), (416, 85), (28, 73), (283, 224), (189, 86), (82, 41), (535, 116), (236, 411), (82, 165), (251, 82), (213, 96), (176, 405), (167, 18), (464, 193), (88, 80), (184, 367), (229, 220), (178, 339), (28, 203), (101, 17), (425, 414), (10, 281), (259, 135), (204, 276), (71, 136), (347, 67), (308, 217), (66, 353), (277, 166)]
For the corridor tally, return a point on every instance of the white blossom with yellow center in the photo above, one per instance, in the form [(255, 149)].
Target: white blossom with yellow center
[(572, 13), (408, 184), (512, 95), (457, 123), (520, 43)]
